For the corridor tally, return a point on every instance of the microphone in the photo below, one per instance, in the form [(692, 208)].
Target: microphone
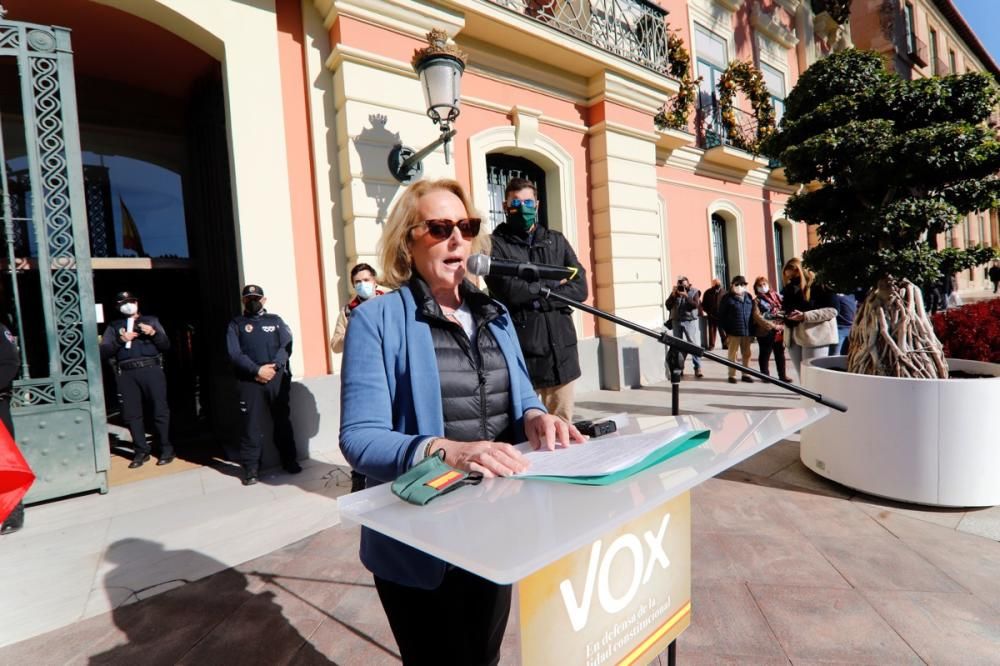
[(486, 266)]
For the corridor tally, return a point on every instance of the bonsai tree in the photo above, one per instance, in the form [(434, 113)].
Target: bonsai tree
[(887, 165)]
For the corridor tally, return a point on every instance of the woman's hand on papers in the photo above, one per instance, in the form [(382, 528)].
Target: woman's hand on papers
[(549, 432), (489, 458)]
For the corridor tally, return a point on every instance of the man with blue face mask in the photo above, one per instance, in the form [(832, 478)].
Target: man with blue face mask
[(365, 288), (134, 347), (545, 328)]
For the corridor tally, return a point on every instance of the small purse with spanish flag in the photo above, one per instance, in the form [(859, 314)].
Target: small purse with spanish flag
[(431, 478)]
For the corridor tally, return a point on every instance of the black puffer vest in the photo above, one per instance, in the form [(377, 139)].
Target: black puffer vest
[(475, 383)]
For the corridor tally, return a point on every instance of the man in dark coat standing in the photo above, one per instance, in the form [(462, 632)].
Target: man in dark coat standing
[(259, 344), (544, 328), (735, 318), (134, 347), (710, 306)]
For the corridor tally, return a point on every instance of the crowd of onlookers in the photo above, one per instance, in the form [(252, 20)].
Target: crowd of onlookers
[(805, 318)]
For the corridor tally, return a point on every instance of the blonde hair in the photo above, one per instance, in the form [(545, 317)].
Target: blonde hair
[(394, 247), (808, 277)]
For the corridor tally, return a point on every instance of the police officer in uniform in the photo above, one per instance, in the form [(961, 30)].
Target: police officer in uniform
[(134, 347), (8, 373), (259, 344)]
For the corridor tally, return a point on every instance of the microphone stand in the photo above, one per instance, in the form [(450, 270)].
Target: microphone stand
[(676, 347)]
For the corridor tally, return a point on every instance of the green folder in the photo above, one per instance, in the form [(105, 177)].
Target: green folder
[(679, 445)]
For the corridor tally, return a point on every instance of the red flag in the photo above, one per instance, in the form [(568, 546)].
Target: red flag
[(131, 240), (15, 475)]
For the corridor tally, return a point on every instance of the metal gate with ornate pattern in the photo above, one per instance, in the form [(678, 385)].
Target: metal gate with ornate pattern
[(58, 402)]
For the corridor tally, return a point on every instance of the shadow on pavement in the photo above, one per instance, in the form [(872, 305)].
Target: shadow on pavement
[(215, 620)]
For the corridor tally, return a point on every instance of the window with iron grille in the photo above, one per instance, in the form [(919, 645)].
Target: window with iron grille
[(779, 250), (720, 248), (500, 169)]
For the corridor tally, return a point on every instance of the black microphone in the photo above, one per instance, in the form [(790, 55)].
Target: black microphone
[(484, 265)]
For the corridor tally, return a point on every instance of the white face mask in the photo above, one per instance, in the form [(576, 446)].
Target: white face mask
[(128, 309), (739, 291), (763, 289)]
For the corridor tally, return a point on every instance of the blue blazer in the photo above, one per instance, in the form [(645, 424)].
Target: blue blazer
[(391, 402)]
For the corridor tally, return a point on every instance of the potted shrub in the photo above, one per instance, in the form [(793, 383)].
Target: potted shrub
[(970, 332), (890, 164)]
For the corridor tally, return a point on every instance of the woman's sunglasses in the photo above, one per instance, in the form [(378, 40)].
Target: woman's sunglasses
[(442, 229)]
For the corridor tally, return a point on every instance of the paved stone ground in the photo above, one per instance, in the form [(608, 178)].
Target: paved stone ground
[(788, 568)]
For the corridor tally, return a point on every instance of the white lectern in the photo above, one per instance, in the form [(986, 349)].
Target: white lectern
[(603, 573)]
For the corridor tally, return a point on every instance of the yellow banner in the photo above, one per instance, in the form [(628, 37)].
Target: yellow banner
[(620, 600)]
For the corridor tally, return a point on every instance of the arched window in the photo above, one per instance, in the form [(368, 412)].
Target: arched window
[(779, 250), (500, 168)]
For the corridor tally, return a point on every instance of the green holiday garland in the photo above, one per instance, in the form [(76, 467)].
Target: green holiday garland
[(679, 66), (744, 76)]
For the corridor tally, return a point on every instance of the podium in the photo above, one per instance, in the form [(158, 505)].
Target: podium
[(603, 573)]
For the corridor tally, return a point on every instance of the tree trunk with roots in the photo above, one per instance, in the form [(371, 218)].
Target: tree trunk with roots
[(892, 335)]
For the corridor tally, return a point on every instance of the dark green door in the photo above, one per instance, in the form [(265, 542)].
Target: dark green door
[(58, 400)]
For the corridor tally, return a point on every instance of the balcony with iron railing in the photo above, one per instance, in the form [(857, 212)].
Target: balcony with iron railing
[(635, 30), (713, 132), (916, 51)]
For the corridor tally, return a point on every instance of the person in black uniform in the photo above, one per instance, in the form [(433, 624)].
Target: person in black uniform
[(8, 373), (134, 346), (259, 344)]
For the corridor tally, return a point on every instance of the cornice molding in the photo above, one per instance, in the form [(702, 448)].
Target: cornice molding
[(729, 5), (791, 6), (342, 53), (617, 128), (410, 18), (612, 87), (771, 26), (486, 60)]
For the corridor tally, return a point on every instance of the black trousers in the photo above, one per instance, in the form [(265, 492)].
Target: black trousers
[(256, 400), (462, 622), (146, 387), (765, 346)]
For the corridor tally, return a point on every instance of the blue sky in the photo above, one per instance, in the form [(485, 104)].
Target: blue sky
[(983, 16)]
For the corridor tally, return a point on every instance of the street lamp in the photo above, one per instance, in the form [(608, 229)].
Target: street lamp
[(439, 66)]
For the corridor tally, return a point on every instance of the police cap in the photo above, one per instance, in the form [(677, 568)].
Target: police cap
[(252, 290), (125, 296)]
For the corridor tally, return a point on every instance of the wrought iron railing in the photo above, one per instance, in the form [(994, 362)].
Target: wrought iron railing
[(916, 50), (712, 130), (632, 29)]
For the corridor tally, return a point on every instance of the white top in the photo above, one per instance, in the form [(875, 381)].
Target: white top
[(463, 315), (506, 529)]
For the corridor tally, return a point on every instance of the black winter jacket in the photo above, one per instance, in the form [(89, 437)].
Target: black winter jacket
[(545, 329), (143, 346), (475, 384), (793, 298)]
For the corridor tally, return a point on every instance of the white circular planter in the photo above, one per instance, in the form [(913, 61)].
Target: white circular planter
[(928, 441)]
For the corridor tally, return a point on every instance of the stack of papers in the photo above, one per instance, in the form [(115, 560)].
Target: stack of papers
[(605, 460)]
